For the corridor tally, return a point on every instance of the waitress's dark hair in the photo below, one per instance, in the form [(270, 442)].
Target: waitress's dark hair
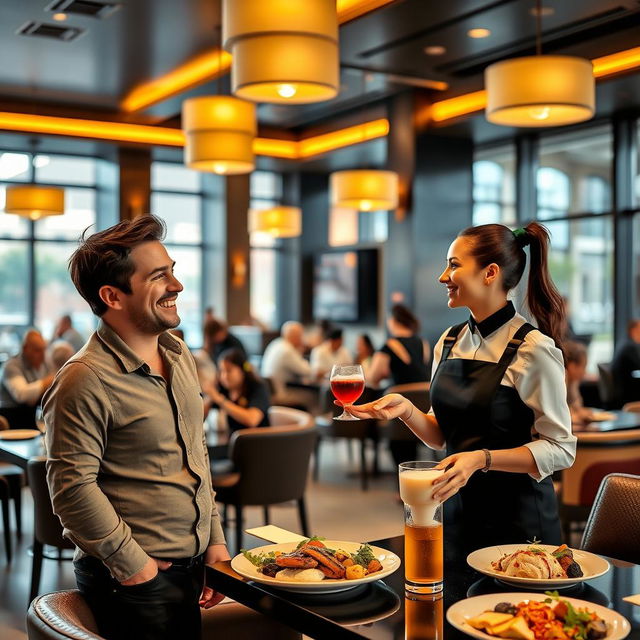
[(495, 243), (250, 379), (402, 315)]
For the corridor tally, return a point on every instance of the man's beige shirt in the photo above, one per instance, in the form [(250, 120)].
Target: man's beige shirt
[(128, 469)]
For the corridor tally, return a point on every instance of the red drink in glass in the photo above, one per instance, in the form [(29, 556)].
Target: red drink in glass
[(347, 391)]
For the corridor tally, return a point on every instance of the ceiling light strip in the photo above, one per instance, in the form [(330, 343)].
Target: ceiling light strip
[(616, 62), (165, 136), (351, 9), (343, 138), (205, 67)]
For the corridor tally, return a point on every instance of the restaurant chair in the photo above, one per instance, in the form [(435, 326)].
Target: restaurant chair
[(47, 529), (362, 432), (270, 467), (6, 520), (14, 477), (65, 615), (613, 528), (606, 386), (597, 455)]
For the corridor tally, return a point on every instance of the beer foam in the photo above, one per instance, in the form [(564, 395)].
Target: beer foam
[(423, 515)]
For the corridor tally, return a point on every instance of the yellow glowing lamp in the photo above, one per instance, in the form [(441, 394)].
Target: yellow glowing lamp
[(284, 51), (540, 91), (279, 222), (219, 134), (34, 201), (364, 189)]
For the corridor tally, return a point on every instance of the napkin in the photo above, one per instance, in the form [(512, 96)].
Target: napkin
[(271, 533), (633, 599)]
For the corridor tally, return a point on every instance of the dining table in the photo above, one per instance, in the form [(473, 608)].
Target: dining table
[(382, 610)]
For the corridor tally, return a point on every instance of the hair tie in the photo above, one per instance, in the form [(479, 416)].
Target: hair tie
[(246, 366), (522, 237)]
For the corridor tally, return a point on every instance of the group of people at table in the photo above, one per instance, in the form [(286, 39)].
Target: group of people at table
[(128, 469)]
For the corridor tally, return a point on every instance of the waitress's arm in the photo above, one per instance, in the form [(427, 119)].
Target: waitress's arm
[(394, 405)]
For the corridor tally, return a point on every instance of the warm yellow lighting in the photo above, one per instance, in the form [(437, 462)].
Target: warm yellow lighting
[(165, 136), (479, 33), (205, 67), (435, 50), (364, 189), (458, 106), (219, 134), (540, 91), (342, 138), (616, 62), (59, 17), (95, 129), (34, 201), (350, 9), (282, 45), (279, 222)]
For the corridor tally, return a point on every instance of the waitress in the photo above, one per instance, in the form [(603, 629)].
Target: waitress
[(498, 393)]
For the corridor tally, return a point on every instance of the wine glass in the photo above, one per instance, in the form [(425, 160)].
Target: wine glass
[(347, 385)]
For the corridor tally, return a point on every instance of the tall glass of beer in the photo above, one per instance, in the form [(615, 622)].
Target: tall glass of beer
[(423, 553)]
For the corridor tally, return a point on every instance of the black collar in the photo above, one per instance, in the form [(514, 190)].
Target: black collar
[(494, 321)]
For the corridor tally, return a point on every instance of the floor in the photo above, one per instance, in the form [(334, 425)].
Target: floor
[(337, 509)]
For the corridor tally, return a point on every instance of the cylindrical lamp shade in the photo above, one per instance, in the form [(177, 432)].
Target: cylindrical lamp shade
[(284, 51), (33, 201), (365, 190), (279, 222), (540, 91), (219, 134)]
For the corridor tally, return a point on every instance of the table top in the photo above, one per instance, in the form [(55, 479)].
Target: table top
[(18, 452), (381, 610), (624, 420)]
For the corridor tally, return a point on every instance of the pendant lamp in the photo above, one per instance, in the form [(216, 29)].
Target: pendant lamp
[(279, 222), (364, 189), (34, 201), (284, 51), (219, 132), (540, 90)]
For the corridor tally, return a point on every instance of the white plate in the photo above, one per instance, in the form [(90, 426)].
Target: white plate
[(461, 611), (19, 434), (390, 562), (592, 565)]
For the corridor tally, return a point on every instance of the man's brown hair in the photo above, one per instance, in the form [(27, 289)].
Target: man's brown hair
[(104, 258)]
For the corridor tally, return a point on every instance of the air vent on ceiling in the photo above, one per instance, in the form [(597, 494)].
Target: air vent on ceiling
[(42, 30), (92, 8)]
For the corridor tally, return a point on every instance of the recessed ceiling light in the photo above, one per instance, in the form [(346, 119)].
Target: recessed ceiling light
[(435, 50), (479, 33), (542, 12), (59, 17)]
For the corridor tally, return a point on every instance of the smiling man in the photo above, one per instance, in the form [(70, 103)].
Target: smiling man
[(128, 470)]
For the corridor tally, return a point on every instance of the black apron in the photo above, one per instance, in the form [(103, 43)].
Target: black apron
[(475, 411)]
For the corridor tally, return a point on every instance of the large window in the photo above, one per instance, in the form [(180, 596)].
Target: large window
[(574, 202), (35, 287), (266, 191), (177, 198), (494, 192)]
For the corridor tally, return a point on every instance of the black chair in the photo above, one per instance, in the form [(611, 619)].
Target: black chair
[(606, 386), (270, 467), (613, 527), (47, 529), (12, 478), (65, 615), (359, 431)]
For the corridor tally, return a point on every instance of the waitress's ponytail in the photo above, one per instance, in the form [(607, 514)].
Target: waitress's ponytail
[(495, 243), (543, 299)]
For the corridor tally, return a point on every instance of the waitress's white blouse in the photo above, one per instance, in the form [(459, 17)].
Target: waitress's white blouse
[(537, 372)]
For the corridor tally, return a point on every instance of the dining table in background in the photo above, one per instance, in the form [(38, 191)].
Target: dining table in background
[(19, 452), (379, 610)]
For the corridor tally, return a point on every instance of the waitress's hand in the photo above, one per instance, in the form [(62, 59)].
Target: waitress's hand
[(459, 468), (386, 408)]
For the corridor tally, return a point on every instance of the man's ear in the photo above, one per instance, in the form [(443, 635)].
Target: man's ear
[(491, 273), (111, 296)]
